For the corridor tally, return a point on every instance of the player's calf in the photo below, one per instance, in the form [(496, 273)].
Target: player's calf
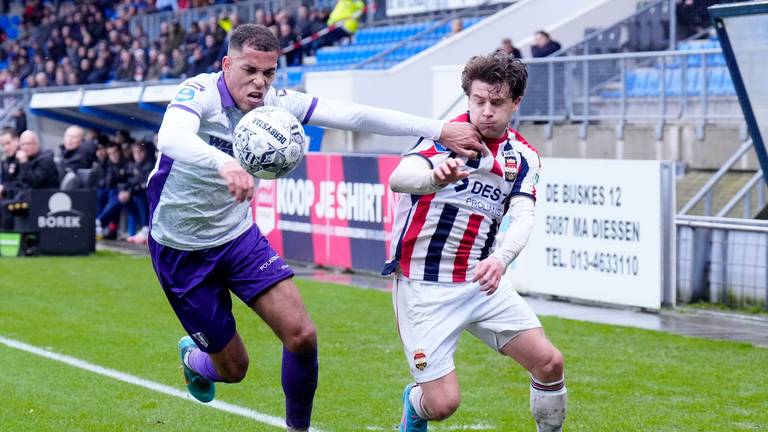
[(549, 402)]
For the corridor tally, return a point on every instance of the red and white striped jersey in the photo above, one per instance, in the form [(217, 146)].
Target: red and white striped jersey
[(440, 237)]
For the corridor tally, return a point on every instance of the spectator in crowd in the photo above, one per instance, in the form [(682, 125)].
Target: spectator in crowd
[(286, 39), (509, 48), (100, 72), (125, 67), (543, 45), (134, 193), (179, 65), (345, 15), (692, 16), (75, 155), (20, 120), (457, 25), (196, 64), (176, 35), (116, 176), (37, 170), (9, 167)]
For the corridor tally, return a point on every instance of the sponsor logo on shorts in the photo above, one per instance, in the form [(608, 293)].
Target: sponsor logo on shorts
[(269, 262), (420, 360), (200, 340)]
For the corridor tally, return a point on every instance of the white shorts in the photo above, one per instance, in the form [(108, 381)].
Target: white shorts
[(431, 317)]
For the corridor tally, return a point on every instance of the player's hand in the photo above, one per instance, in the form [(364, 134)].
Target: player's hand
[(488, 273), (464, 139), (123, 196), (22, 157), (239, 182), (449, 172)]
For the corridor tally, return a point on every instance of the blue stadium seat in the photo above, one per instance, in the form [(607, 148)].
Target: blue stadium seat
[(16, 20), (727, 85), (636, 80), (693, 85), (4, 21), (715, 81), (652, 83), (674, 82)]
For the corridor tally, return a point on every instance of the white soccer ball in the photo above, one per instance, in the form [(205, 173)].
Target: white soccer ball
[(269, 142)]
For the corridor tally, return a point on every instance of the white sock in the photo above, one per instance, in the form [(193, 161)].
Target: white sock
[(416, 396), (549, 403)]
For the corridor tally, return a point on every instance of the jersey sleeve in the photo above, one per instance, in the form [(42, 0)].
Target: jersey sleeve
[(434, 152), (192, 96), (301, 105), (528, 175)]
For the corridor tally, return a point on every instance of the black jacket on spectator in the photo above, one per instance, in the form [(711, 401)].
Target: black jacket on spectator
[(72, 160), (39, 172), (548, 49), (138, 174), (117, 176), (10, 178)]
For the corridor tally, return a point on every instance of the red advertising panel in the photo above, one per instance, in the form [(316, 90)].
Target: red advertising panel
[(333, 210)]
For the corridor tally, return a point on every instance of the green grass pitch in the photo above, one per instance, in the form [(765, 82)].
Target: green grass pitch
[(110, 311)]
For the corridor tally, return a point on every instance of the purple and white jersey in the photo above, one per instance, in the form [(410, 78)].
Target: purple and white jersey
[(190, 205)]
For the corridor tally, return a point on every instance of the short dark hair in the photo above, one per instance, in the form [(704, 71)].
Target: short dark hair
[(255, 36), (9, 131), (496, 69)]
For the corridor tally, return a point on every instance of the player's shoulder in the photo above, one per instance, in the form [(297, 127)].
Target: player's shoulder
[(196, 87), (428, 148), (524, 147), (205, 82), (276, 96)]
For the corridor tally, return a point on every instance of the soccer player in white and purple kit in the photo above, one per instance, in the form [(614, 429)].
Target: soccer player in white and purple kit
[(203, 242), (445, 260)]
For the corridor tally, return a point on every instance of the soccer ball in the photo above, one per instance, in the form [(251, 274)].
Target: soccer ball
[(269, 142)]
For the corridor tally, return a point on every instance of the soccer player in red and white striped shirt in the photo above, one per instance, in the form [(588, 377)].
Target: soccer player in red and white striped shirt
[(447, 262)]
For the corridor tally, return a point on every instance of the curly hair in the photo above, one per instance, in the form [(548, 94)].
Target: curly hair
[(496, 69)]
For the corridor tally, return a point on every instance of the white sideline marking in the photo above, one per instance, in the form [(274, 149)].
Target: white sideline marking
[(141, 382)]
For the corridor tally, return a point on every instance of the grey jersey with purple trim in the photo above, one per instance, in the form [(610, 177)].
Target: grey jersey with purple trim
[(191, 207)]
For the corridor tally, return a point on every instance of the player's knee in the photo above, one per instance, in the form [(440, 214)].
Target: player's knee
[(551, 366), (443, 407), (234, 371), (302, 338)]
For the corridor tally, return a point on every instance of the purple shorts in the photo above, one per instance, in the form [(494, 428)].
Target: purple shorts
[(197, 283)]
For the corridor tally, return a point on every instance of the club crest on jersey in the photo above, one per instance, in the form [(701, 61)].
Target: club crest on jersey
[(420, 360), (510, 167)]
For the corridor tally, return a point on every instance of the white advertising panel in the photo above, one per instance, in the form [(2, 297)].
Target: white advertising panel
[(599, 233), (403, 7)]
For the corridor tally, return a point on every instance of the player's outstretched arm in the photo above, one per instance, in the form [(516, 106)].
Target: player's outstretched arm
[(462, 138), (414, 176), (488, 272), (178, 140)]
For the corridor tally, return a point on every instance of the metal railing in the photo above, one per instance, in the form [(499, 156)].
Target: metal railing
[(10, 102), (707, 190), (600, 87), (722, 260), (621, 35), (751, 196)]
